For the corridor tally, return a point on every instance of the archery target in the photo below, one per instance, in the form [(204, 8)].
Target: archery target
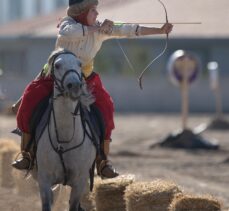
[(182, 64)]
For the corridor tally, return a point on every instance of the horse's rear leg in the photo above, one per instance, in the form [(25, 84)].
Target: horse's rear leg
[(46, 196)]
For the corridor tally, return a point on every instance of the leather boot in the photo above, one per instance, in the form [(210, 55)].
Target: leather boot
[(24, 163), (104, 166)]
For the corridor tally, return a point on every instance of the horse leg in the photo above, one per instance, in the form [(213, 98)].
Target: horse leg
[(46, 196), (75, 196)]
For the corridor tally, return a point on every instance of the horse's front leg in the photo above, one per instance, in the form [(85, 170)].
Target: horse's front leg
[(46, 195), (76, 193)]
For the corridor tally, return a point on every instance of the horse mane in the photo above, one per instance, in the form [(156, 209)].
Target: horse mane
[(86, 97)]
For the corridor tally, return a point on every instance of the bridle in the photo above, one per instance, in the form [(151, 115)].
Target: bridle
[(59, 83)]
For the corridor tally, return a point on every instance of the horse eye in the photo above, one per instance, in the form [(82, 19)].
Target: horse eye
[(57, 66)]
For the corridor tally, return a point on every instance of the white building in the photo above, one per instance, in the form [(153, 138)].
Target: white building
[(11, 10)]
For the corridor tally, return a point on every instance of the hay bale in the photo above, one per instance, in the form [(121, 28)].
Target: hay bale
[(87, 201), (11, 201), (7, 143), (8, 151), (194, 203), (109, 193), (146, 196), (62, 194), (26, 187)]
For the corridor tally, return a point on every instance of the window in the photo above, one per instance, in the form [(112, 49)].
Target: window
[(61, 3), (12, 62), (15, 9), (1, 65), (38, 6)]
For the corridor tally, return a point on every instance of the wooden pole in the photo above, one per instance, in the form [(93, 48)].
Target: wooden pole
[(218, 103), (215, 86), (185, 100)]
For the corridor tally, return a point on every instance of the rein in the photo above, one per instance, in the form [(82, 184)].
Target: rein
[(59, 83), (55, 124), (59, 148)]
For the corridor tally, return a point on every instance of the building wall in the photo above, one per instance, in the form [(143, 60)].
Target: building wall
[(158, 94), (11, 10)]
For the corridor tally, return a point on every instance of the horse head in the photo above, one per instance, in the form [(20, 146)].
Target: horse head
[(65, 68)]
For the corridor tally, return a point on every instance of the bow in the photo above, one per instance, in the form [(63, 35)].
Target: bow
[(157, 57)]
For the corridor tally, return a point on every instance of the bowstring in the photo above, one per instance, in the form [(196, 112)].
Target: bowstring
[(125, 53), (126, 57)]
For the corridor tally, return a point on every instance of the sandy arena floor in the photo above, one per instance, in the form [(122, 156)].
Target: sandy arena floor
[(196, 172)]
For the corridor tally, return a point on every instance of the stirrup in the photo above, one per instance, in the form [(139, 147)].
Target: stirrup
[(106, 164), (24, 155)]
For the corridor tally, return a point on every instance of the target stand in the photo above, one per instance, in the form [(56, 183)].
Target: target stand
[(219, 122), (183, 70)]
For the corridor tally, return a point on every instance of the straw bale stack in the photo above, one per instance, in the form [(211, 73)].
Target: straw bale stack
[(109, 193), (8, 151), (147, 196), (11, 201), (194, 203), (26, 187), (7, 143), (63, 195), (88, 199)]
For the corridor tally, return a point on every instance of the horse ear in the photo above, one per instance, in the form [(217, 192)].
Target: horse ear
[(53, 56)]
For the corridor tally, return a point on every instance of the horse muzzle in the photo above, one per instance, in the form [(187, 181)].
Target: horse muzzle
[(73, 90)]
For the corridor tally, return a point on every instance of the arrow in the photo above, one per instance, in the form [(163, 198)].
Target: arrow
[(180, 23)]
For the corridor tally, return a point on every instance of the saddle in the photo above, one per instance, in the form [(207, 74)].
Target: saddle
[(93, 118), (41, 115)]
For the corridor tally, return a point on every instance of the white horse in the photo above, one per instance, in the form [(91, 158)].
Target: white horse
[(65, 152)]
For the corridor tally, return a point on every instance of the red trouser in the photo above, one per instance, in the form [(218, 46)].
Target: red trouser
[(103, 101), (35, 91), (41, 88)]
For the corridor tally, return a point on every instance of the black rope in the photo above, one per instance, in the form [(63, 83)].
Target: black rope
[(59, 149), (60, 152), (58, 141), (92, 174)]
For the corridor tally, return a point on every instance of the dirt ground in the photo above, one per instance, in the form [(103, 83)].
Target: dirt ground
[(197, 172)]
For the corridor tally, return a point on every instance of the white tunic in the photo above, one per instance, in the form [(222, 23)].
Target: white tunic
[(74, 37)]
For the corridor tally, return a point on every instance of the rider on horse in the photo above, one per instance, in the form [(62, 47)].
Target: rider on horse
[(81, 33)]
